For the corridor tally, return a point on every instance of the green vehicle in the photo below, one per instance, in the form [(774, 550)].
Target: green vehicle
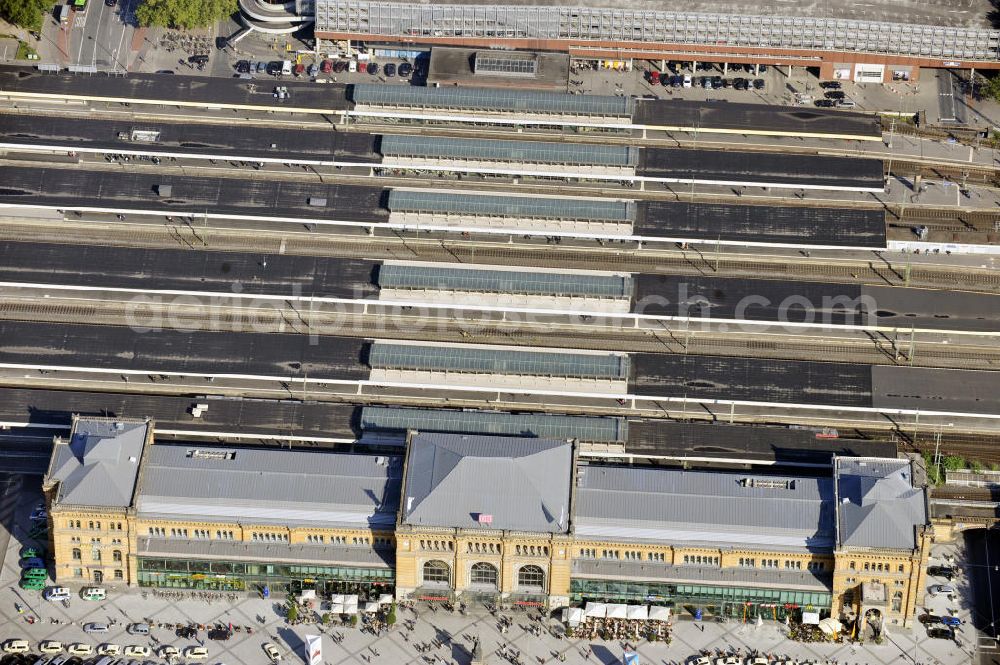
[(30, 584), (32, 552), (35, 574)]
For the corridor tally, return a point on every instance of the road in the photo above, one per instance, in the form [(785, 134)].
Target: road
[(102, 35)]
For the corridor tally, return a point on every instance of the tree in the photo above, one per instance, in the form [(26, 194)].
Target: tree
[(183, 14), (293, 612), (991, 90), (390, 618), (26, 13)]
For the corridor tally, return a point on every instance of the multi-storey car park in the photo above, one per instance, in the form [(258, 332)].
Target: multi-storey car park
[(488, 518), (869, 43)]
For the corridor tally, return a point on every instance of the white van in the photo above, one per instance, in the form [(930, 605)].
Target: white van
[(16, 646), (93, 593), (286, 67), (56, 593), (352, 65), (687, 81)]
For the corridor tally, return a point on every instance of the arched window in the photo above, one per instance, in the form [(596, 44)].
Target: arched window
[(484, 575), (437, 573), (897, 601), (531, 578)]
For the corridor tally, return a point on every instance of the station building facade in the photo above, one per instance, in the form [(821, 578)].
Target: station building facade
[(488, 519), (888, 43)]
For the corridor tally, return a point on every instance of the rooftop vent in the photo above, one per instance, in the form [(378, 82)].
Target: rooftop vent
[(768, 483), (211, 454)]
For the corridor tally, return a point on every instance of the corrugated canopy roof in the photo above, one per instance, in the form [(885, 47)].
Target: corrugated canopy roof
[(669, 505), (491, 99), (99, 463), (879, 507), (265, 486), (521, 484)]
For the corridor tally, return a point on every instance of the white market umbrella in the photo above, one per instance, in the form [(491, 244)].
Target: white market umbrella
[(659, 613), (598, 610), (617, 611), (640, 612)]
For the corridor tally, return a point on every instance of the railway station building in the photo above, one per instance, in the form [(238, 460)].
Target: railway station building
[(487, 518), (890, 41)]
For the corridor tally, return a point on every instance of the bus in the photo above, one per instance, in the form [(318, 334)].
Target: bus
[(79, 5)]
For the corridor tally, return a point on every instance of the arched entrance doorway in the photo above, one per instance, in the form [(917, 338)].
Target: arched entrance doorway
[(871, 624)]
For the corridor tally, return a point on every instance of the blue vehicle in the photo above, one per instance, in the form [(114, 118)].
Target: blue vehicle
[(951, 622), (32, 562)]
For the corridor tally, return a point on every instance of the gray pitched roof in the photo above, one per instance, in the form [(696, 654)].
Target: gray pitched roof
[(522, 483), (706, 507), (99, 463), (878, 504), (269, 486)]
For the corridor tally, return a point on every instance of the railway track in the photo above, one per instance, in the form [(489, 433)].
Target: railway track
[(417, 247), (288, 319)]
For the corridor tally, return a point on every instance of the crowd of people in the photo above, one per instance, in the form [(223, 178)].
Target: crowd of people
[(624, 629)]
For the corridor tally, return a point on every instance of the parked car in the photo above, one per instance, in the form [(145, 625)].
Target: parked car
[(274, 68), (941, 589), (198, 59), (340, 66), (93, 593), (946, 572), (137, 629), (389, 70), (108, 649), (168, 651), (186, 633), (136, 651), (940, 633), (299, 69), (243, 67), (80, 649), (830, 85), (32, 562), (326, 66), (95, 627), (56, 593), (405, 69), (687, 81), (372, 69), (272, 651), (834, 94), (846, 104), (219, 634), (950, 621), (741, 83), (262, 67), (825, 103), (32, 552), (196, 653), (16, 646), (758, 84), (312, 70), (50, 646)]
